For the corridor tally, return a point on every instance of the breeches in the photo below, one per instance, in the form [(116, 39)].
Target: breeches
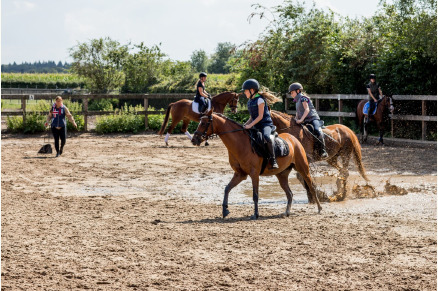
[(317, 126), (266, 131), (59, 134)]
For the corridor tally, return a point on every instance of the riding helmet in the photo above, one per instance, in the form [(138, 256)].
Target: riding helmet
[(202, 74), (251, 84), (295, 86), (372, 76)]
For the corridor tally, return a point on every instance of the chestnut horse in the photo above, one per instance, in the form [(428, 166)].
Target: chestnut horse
[(384, 107), (182, 110), (245, 161), (341, 142)]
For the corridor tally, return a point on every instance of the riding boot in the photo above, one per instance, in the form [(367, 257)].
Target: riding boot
[(270, 144), (322, 150)]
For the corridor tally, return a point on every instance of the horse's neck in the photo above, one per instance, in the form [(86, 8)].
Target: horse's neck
[(219, 102), (235, 142)]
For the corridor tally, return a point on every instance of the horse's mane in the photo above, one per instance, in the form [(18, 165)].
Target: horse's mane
[(223, 93), (284, 115), (229, 119)]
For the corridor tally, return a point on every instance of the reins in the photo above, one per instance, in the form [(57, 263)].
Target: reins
[(210, 122)]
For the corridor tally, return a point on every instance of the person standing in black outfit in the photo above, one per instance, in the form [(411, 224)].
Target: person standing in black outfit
[(201, 94), (58, 123)]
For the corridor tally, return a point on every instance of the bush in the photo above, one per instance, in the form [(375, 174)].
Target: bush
[(124, 120), (34, 123)]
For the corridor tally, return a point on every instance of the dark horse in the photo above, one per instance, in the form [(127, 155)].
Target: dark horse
[(341, 142), (245, 161), (384, 107), (182, 110)]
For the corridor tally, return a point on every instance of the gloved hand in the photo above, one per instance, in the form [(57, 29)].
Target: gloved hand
[(209, 96)]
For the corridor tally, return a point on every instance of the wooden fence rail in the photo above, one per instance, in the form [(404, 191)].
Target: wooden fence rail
[(340, 114), (85, 98), (317, 97)]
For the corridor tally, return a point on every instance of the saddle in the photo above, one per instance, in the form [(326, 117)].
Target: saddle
[(259, 146), (367, 106), (201, 108), (317, 143), (310, 127)]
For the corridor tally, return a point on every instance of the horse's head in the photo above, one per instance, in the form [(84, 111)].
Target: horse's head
[(387, 99), (233, 102), (205, 129)]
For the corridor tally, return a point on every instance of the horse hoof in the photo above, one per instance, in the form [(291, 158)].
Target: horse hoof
[(167, 144), (284, 215), (254, 217), (225, 213), (207, 144)]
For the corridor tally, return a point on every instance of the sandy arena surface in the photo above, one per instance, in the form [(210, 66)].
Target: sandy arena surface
[(124, 212)]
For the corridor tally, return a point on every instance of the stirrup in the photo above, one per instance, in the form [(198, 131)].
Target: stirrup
[(274, 164)]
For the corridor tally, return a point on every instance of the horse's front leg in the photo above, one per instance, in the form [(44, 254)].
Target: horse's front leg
[(255, 196), (381, 131), (237, 178)]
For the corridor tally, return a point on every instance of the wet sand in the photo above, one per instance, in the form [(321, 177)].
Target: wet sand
[(124, 212)]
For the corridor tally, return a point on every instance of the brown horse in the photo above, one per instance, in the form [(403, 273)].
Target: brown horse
[(340, 141), (182, 110), (384, 107), (245, 162)]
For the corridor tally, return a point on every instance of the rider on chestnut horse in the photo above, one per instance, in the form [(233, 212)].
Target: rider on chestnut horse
[(201, 94), (260, 116), (306, 114)]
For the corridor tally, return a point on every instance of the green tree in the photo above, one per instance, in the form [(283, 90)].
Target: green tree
[(219, 60), (100, 62), (199, 61), (142, 69)]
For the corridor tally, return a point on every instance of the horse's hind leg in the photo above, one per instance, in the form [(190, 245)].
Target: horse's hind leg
[(341, 181), (302, 167), (309, 195), (284, 183), (184, 127), (169, 131)]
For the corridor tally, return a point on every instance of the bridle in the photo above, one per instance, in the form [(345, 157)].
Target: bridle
[(391, 106), (235, 98), (204, 135)]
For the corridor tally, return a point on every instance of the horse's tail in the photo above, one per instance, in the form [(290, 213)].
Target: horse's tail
[(166, 119), (358, 156)]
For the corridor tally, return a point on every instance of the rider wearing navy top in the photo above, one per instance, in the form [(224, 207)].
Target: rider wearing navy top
[(374, 92), (306, 113), (201, 94), (57, 115), (260, 117)]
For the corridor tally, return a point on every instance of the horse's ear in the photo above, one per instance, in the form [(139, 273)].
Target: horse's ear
[(210, 112)]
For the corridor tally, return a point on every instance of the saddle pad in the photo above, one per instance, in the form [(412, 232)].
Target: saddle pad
[(195, 106), (281, 148), (366, 106)]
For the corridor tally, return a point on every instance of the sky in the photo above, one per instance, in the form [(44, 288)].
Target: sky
[(43, 30)]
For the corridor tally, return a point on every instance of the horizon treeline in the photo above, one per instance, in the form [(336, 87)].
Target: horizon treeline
[(36, 67)]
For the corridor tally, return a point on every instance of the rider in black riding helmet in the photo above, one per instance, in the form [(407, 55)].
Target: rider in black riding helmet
[(374, 94), (201, 94), (306, 113), (260, 116)]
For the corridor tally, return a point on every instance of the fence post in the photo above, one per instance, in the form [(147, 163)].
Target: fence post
[(146, 105), (423, 123), (340, 118), (23, 107), (85, 112)]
